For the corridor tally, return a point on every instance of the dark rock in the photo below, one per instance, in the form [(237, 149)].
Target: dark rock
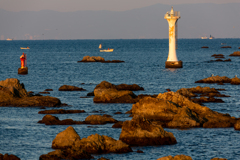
[(226, 47), (45, 92), (8, 157), (102, 158), (204, 47), (113, 61), (70, 154), (141, 132), (60, 111), (133, 87), (90, 94), (139, 151), (228, 60), (118, 125), (70, 88), (52, 120), (118, 113)]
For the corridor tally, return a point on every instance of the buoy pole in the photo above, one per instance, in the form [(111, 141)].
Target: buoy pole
[(172, 60)]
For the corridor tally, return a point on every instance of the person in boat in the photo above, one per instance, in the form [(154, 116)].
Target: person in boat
[(108, 48), (22, 58)]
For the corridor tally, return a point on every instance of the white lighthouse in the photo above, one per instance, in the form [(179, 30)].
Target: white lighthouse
[(172, 18)]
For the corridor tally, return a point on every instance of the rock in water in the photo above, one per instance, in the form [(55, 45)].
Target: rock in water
[(12, 93), (177, 157), (102, 144), (70, 88), (65, 139), (141, 132)]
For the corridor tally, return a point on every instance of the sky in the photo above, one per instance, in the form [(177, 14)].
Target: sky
[(94, 5)]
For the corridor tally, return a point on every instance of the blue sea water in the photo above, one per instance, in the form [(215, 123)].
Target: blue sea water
[(53, 63)]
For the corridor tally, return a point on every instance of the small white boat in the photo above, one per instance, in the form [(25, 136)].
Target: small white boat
[(24, 48), (106, 50)]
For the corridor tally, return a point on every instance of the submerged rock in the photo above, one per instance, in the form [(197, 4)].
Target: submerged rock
[(141, 132), (12, 93), (177, 157), (60, 111), (70, 88), (98, 119), (52, 120), (98, 59)]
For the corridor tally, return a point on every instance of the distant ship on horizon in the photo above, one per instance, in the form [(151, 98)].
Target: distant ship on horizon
[(205, 37), (211, 37), (9, 39)]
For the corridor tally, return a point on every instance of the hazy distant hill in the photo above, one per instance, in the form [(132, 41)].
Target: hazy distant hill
[(221, 21)]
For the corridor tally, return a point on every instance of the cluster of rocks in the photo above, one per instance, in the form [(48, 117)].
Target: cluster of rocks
[(69, 145), (173, 110), (98, 59), (12, 93), (206, 94), (219, 58), (106, 92), (92, 119), (220, 80)]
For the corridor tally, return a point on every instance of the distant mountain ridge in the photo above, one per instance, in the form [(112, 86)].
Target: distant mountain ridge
[(219, 20)]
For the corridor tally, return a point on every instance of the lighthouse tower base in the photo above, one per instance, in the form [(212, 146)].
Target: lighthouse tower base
[(23, 70), (173, 64)]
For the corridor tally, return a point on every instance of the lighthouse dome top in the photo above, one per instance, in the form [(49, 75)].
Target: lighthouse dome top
[(172, 14)]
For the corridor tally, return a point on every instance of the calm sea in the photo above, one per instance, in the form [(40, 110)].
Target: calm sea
[(53, 63)]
